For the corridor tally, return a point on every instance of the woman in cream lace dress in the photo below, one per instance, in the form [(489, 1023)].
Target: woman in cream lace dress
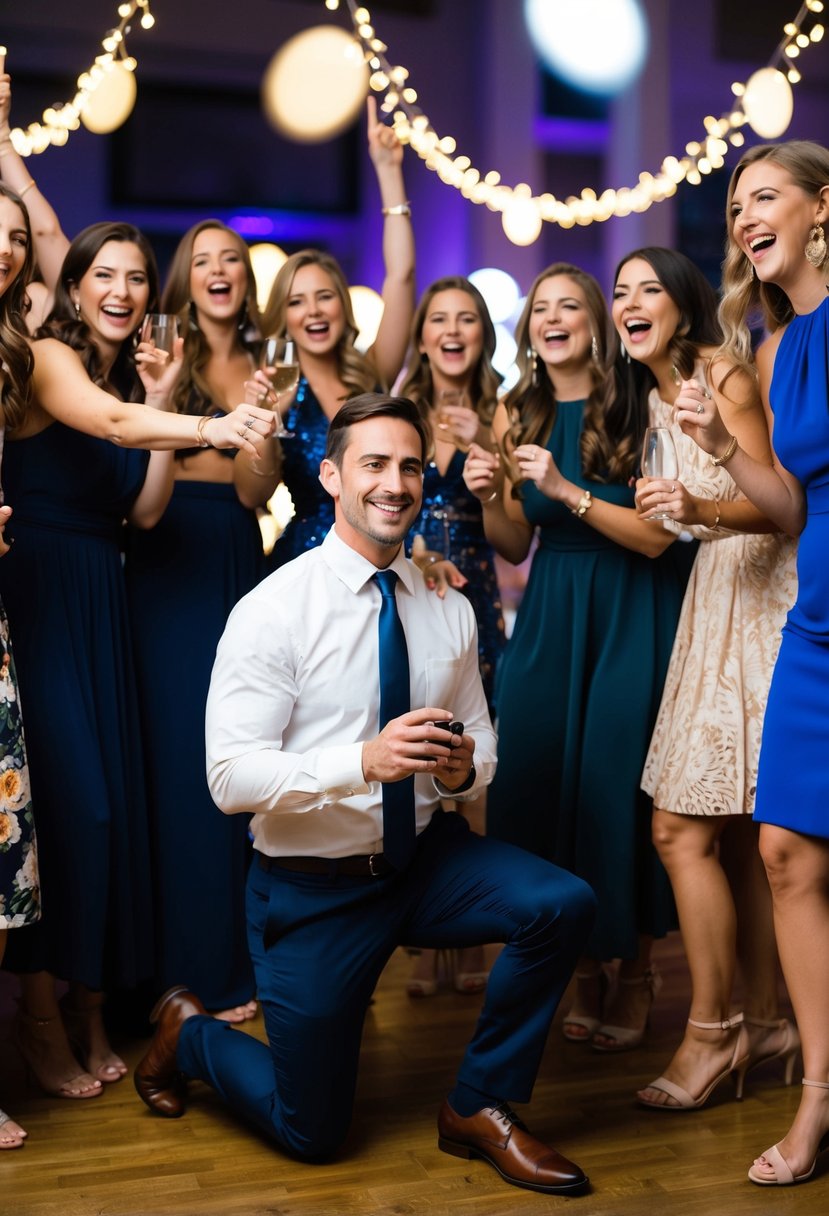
[(701, 768)]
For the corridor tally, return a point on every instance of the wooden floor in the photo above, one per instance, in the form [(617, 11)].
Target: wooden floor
[(111, 1157)]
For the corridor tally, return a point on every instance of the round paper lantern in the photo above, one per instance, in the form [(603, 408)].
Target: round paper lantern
[(110, 103), (315, 84), (266, 259), (368, 313), (521, 221), (768, 103), (595, 45)]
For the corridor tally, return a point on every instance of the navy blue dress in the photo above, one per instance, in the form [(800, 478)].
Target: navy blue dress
[(451, 523), (183, 578), (63, 588), (301, 457), (578, 691), (793, 774)]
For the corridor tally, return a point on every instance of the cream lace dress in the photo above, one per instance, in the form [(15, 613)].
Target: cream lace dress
[(703, 754)]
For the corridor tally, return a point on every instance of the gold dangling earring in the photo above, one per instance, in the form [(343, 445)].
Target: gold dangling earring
[(815, 250), (534, 354), (625, 352), (78, 309), (594, 349)]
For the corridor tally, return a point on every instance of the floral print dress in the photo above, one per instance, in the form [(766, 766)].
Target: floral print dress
[(19, 890)]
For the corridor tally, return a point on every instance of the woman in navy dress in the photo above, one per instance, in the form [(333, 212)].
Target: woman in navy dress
[(309, 303), (777, 258), (183, 578), (63, 586), (454, 385), (582, 674)]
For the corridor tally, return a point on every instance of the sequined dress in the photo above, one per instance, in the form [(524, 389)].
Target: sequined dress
[(451, 523), (301, 458)]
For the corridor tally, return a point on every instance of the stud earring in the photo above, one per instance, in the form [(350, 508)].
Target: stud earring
[(815, 250)]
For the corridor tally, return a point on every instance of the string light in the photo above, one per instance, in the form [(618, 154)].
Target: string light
[(522, 212), (57, 121)]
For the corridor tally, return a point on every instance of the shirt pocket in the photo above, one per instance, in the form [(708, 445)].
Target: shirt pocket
[(442, 676)]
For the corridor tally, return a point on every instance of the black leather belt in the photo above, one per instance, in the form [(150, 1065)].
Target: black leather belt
[(368, 865)]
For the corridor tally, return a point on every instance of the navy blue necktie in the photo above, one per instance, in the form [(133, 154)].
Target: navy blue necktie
[(398, 796)]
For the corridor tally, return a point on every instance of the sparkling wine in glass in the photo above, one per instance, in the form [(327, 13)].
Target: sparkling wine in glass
[(278, 358), (659, 459), (161, 329)]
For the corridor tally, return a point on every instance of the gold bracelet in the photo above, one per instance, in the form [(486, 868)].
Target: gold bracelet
[(486, 501), (398, 209), (584, 505), (201, 438), (715, 527), (717, 461), (28, 186)]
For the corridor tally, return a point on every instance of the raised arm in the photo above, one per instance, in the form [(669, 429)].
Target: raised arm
[(64, 392), (775, 493), (50, 242), (391, 343)]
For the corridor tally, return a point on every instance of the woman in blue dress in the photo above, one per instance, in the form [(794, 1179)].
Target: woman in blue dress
[(777, 258), (454, 385), (581, 677), (63, 587), (183, 578), (309, 303)]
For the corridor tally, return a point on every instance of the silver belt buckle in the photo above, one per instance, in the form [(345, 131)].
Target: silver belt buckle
[(374, 873)]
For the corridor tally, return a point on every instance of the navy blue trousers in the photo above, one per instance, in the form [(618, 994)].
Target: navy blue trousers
[(319, 944)]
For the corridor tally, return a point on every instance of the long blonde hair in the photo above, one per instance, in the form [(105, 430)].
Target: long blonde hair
[(192, 393), (743, 295), (356, 371), (418, 386), (610, 434)]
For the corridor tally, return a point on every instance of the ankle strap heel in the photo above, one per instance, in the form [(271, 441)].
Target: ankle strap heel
[(728, 1024), (817, 1084)]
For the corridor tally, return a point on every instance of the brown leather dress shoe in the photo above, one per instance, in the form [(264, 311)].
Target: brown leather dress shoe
[(497, 1135), (157, 1080)]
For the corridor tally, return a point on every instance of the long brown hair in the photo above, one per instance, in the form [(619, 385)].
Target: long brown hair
[(64, 324), (418, 384), (356, 371), (743, 295), (15, 352), (611, 429), (192, 393)]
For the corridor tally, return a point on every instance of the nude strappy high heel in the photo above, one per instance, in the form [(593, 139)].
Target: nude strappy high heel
[(783, 1175), (10, 1139), (589, 1024), (787, 1052), (738, 1065), (625, 1038)]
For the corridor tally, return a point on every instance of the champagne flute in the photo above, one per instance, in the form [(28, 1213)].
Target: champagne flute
[(449, 398), (278, 359), (161, 329), (659, 459)]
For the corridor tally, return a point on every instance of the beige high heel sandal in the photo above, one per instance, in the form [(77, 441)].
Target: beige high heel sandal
[(625, 1038), (738, 1065), (27, 1033), (589, 1024), (787, 1053), (8, 1138), (783, 1175)]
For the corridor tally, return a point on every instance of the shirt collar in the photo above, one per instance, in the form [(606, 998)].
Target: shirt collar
[(355, 570)]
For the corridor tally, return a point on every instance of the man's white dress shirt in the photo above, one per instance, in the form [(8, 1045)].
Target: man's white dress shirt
[(295, 693)]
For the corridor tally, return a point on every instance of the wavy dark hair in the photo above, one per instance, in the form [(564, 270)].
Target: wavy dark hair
[(15, 351), (483, 390), (698, 325), (192, 393), (807, 163), (356, 371), (612, 426), (64, 324)]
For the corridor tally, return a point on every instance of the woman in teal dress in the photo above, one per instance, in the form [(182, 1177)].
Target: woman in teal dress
[(777, 258), (581, 678)]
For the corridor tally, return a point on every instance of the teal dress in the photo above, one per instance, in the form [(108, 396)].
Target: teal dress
[(577, 694)]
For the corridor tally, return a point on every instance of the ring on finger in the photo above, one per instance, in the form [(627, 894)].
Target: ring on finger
[(700, 407), (673, 488), (248, 423)]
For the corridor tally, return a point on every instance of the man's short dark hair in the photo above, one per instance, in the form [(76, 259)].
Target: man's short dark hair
[(373, 405)]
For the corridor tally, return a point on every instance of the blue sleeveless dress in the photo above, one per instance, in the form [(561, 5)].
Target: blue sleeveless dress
[(577, 693), (184, 576), (301, 457), (793, 776), (63, 588), (451, 523)]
